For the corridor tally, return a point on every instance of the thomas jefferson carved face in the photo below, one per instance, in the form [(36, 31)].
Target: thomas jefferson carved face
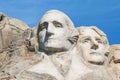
[(54, 31), (92, 46)]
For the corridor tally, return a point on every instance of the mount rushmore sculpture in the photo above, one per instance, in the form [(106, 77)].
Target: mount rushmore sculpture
[(56, 50)]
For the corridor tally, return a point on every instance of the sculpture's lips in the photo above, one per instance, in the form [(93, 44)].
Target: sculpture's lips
[(52, 49), (117, 61), (95, 53)]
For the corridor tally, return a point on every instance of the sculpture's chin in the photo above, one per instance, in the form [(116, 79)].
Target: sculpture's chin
[(117, 61), (99, 60)]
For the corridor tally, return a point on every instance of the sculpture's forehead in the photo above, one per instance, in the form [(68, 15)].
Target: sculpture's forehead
[(49, 17), (117, 51), (89, 32)]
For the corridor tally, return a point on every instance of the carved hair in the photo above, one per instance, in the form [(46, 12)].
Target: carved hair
[(98, 31)]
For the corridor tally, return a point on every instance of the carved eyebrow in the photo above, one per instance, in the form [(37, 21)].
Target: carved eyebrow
[(84, 38), (42, 24), (99, 39), (56, 22)]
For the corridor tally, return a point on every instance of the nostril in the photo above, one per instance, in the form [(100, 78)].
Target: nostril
[(49, 33), (94, 46)]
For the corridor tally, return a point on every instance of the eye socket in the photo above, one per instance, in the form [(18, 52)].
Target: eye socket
[(86, 40), (99, 40), (43, 25), (57, 24)]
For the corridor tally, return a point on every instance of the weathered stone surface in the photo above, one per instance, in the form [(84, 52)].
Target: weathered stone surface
[(54, 50), (11, 30), (89, 60), (11, 41)]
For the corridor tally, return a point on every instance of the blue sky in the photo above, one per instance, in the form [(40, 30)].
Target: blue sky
[(105, 14)]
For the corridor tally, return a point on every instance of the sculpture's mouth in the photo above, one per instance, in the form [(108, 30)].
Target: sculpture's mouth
[(117, 61), (97, 63), (52, 49), (95, 53)]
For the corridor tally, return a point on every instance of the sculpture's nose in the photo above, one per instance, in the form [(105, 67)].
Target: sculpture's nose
[(50, 29), (94, 46)]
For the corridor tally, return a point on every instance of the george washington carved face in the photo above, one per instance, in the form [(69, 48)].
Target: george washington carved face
[(54, 30)]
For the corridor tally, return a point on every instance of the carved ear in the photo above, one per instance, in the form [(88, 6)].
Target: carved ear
[(74, 35), (73, 39), (29, 45)]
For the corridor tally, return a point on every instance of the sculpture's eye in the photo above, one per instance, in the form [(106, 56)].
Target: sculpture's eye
[(43, 25), (99, 40), (86, 40), (57, 24)]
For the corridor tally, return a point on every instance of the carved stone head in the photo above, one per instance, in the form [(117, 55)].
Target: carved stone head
[(115, 54), (55, 31), (114, 59), (93, 45)]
